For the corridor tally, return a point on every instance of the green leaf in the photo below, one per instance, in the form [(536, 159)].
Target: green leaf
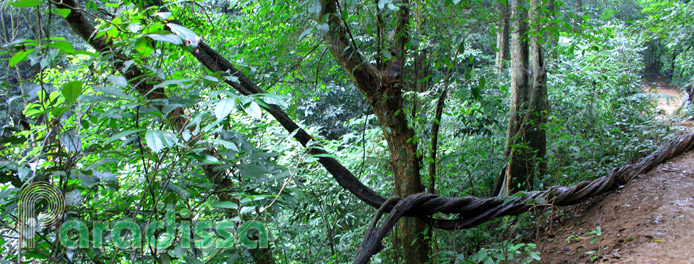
[(224, 205), (233, 79), (227, 144), (158, 140), (191, 39), (178, 189), (305, 33), (63, 46), (315, 7), (26, 3), (163, 15), (71, 91), (224, 107), (63, 12), (179, 82), (323, 27), (192, 260), (144, 46), (19, 56), (122, 135), (253, 171), (254, 110), (118, 81), (170, 38), (59, 111)]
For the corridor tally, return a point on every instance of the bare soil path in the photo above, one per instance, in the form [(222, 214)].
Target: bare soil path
[(650, 220), (668, 96)]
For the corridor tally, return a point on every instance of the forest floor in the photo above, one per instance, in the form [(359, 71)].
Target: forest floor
[(650, 220)]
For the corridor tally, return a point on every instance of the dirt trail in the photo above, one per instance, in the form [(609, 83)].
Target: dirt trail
[(668, 96), (650, 220)]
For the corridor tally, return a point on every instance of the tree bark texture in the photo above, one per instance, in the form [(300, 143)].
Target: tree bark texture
[(502, 37), (526, 140), (382, 88)]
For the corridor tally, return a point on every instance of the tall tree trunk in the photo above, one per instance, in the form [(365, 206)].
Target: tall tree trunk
[(502, 37), (579, 15), (382, 88), (539, 104), (553, 38), (405, 166), (526, 142)]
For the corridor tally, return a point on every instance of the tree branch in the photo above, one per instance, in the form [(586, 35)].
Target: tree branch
[(361, 72)]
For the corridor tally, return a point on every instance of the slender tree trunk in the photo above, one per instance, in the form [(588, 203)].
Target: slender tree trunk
[(526, 143), (553, 38), (435, 139), (502, 37), (579, 15)]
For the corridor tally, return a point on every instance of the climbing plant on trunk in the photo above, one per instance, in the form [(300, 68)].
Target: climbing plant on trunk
[(526, 137), (382, 85)]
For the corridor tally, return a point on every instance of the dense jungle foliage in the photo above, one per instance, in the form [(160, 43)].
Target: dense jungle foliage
[(193, 149)]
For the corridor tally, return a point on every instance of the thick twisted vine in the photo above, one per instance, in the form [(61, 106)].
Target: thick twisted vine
[(473, 211)]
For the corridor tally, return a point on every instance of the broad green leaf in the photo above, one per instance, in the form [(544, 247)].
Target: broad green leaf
[(32, 110), (118, 81), (26, 3), (134, 27), (178, 189), (191, 39), (63, 12), (224, 205), (233, 79), (19, 56), (224, 107), (314, 7), (169, 38), (155, 140), (144, 47), (122, 135), (253, 171), (163, 15), (59, 111), (211, 78), (63, 46), (227, 144), (158, 140), (113, 32), (247, 209), (23, 173), (192, 260), (305, 33), (73, 198), (71, 91), (254, 110), (172, 82), (323, 27)]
